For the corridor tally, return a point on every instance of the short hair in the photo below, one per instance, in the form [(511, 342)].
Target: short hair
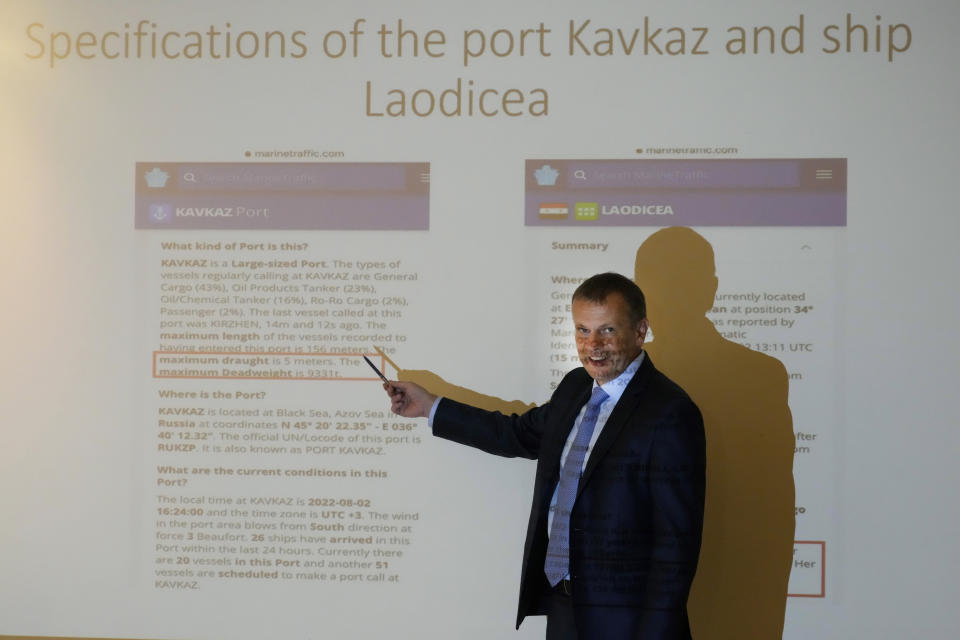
[(597, 288)]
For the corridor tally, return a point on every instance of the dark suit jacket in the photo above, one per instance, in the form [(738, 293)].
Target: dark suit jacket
[(636, 524)]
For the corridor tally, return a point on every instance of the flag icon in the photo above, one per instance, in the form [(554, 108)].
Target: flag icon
[(554, 211)]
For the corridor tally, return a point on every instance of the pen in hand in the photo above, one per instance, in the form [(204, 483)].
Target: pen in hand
[(374, 367)]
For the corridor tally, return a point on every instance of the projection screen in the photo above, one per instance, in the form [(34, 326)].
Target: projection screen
[(215, 210)]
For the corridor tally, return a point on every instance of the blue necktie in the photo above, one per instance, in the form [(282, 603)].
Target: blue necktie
[(557, 565)]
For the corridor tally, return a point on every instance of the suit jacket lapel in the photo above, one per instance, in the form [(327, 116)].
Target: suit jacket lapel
[(618, 419)]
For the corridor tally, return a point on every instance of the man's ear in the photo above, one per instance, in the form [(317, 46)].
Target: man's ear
[(642, 327)]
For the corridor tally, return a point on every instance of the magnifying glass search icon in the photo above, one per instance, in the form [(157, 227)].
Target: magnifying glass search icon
[(580, 174), (189, 177)]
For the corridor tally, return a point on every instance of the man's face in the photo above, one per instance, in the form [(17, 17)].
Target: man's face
[(607, 341)]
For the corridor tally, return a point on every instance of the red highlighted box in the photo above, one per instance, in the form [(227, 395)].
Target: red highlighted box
[(814, 549), (265, 365)]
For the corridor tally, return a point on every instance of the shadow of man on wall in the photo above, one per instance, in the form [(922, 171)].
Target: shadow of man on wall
[(740, 588), (439, 386)]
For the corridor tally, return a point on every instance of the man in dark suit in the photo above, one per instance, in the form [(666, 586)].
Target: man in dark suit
[(615, 524)]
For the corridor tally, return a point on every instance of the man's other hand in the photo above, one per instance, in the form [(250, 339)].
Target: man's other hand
[(409, 400)]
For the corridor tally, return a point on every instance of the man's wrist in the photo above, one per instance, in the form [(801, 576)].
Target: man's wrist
[(433, 411)]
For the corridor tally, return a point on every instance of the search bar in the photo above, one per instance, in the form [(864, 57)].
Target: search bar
[(357, 176), (683, 175)]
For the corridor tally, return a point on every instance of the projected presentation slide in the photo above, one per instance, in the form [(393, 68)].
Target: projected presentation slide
[(218, 215)]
